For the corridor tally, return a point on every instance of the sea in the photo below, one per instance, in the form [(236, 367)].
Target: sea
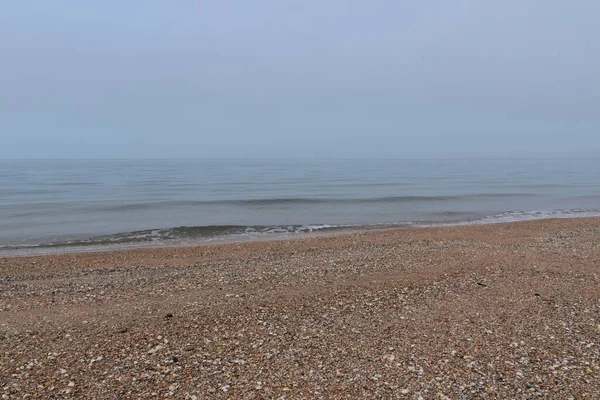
[(50, 206)]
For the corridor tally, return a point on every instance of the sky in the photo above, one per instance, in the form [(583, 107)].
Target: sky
[(299, 78)]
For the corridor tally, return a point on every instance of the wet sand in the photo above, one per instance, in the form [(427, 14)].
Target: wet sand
[(492, 311)]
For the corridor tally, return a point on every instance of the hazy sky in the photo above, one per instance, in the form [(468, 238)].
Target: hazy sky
[(305, 78)]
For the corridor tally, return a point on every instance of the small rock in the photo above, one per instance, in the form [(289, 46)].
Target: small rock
[(155, 349)]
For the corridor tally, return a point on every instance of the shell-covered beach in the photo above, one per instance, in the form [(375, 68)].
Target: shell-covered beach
[(488, 311)]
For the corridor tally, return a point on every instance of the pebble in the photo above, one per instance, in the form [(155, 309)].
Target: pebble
[(395, 312)]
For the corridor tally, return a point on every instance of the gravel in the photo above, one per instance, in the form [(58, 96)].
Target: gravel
[(493, 311)]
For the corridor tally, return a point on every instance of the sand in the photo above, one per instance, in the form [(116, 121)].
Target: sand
[(493, 311)]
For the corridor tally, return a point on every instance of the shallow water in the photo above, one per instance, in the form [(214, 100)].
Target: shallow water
[(75, 203)]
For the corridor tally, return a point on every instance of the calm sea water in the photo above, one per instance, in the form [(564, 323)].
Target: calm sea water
[(76, 204)]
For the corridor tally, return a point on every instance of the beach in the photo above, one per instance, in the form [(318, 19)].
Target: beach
[(493, 311)]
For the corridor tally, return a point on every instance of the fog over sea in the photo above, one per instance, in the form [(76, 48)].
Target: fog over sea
[(67, 205)]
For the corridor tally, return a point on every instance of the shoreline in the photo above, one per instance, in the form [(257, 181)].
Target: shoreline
[(506, 310), (47, 250)]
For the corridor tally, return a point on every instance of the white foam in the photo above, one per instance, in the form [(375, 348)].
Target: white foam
[(521, 215)]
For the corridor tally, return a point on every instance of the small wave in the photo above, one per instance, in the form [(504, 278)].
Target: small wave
[(454, 214), (522, 215), (588, 197), (276, 201), (181, 233), (193, 234), (511, 216)]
